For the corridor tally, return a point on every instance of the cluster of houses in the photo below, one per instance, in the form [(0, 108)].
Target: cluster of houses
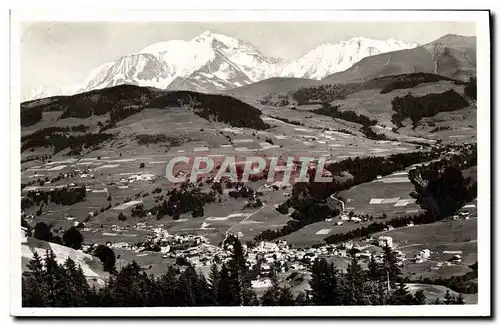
[(463, 215), (158, 239), (422, 256), (265, 256), (136, 177)]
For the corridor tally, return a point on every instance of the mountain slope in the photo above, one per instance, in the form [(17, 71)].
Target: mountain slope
[(95, 118), (135, 69), (451, 56), (91, 266), (271, 86), (406, 105), (330, 58)]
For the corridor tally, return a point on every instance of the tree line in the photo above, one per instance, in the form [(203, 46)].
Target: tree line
[(412, 80), (309, 198), (440, 187), (214, 107), (60, 141), (386, 84), (334, 112), (188, 198), (460, 283), (471, 88), (418, 107), (62, 196), (41, 133)]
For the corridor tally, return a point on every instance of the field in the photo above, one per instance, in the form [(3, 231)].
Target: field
[(433, 292), (378, 106), (444, 240), (316, 233)]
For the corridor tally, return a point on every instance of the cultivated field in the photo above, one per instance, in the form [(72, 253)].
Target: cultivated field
[(388, 195)]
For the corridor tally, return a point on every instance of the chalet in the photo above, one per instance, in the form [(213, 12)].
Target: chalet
[(384, 241)]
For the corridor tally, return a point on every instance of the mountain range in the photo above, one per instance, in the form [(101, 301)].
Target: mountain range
[(451, 55), (214, 62)]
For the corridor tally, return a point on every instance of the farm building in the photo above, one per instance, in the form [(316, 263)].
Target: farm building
[(425, 253), (385, 241), (456, 259)]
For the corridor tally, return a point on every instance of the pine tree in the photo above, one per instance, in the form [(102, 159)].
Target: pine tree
[(34, 288), (374, 293), (272, 295), (154, 296), (56, 281), (166, 285), (224, 291), (459, 299), (145, 289), (302, 299), (42, 232), (286, 297), (32, 295), (374, 272), (448, 298), (35, 266), (207, 297), (73, 238), (353, 283), (185, 289), (401, 296), (107, 256), (420, 297), (72, 292), (124, 289), (324, 284), (213, 279), (243, 293), (390, 267)]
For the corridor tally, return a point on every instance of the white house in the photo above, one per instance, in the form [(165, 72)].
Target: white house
[(385, 241), (344, 217), (164, 250), (425, 253)]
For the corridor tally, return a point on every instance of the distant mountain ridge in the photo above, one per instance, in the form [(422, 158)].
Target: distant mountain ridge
[(452, 56), (214, 62)]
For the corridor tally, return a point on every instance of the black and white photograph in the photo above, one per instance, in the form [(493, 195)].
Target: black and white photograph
[(281, 164)]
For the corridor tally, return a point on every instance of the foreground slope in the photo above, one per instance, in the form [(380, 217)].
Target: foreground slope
[(91, 266)]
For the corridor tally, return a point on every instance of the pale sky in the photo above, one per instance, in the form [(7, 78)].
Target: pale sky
[(63, 53)]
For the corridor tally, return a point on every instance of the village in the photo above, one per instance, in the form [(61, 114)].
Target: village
[(265, 256)]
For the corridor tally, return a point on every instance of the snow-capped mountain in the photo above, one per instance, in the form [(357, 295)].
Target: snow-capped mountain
[(137, 69), (330, 58), (213, 62), (28, 94)]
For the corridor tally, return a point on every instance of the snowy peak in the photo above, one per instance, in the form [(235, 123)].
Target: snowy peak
[(138, 69), (330, 58), (212, 62), (209, 38)]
